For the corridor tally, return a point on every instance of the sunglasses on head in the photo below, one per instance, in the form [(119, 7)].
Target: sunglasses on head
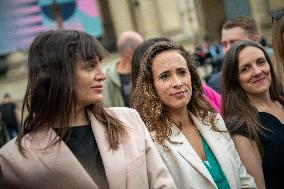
[(277, 14)]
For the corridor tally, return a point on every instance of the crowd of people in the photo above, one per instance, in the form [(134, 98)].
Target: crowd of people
[(148, 120)]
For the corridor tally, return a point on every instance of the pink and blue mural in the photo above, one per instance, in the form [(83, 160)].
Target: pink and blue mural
[(22, 20)]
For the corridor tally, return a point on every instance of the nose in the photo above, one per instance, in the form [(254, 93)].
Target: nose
[(177, 82), (226, 48), (257, 71), (99, 75)]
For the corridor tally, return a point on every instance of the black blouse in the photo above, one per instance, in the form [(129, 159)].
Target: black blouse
[(83, 145), (273, 149)]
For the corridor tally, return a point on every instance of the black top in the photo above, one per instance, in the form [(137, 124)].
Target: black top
[(273, 150), (125, 87), (83, 145)]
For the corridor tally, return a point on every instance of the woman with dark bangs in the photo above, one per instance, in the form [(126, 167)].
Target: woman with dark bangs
[(68, 139), (190, 136), (254, 112)]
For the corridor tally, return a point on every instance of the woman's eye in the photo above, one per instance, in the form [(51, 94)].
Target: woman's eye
[(91, 66), (245, 69), (261, 61), (182, 72), (164, 76)]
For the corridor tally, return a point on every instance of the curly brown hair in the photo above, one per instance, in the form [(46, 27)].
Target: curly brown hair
[(146, 101)]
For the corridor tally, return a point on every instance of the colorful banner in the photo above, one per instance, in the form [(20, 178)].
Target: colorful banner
[(22, 20), (76, 14)]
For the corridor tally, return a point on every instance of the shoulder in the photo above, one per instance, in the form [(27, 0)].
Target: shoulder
[(216, 77), (126, 115), (237, 126), (9, 148), (119, 111), (215, 82), (220, 123)]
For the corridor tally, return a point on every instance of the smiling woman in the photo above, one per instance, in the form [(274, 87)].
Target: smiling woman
[(190, 136), (68, 139), (254, 72), (254, 112)]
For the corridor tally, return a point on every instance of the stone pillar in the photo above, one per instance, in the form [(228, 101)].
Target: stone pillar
[(189, 21), (211, 16), (169, 16), (261, 14), (155, 18), (121, 16), (145, 15)]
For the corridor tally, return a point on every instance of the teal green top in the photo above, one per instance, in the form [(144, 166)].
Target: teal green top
[(214, 167)]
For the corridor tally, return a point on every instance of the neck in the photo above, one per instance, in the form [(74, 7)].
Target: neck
[(124, 66), (78, 117), (261, 101), (181, 116)]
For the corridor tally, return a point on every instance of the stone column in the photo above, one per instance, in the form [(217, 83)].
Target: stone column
[(261, 14), (145, 16), (121, 16)]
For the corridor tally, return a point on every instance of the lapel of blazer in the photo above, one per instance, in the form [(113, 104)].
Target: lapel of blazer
[(58, 161), (114, 161), (218, 147), (188, 153)]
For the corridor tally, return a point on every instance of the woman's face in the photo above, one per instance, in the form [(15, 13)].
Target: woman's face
[(172, 80), (89, 82), (254, 71)]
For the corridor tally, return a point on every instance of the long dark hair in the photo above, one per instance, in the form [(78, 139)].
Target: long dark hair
[(278, 44), (51, 77), (147, 102), (237, 109)]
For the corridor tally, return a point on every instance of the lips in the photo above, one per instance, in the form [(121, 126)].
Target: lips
[(257, 79), (179, 93), (98, 86)]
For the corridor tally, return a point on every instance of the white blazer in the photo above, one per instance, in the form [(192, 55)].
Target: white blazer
[(188, 169)]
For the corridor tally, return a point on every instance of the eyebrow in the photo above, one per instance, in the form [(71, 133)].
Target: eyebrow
[(179, 68), (164, 72), (259, 58)]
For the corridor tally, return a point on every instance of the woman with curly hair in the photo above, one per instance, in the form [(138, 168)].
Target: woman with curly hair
[(190, 136), (213, 97), (68, 139)]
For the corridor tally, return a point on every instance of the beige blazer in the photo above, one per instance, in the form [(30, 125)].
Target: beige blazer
[(188, 169), (135, 165)]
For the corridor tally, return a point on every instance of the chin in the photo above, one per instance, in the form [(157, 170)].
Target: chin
[(179, 106), (100, 100), (94, 101)]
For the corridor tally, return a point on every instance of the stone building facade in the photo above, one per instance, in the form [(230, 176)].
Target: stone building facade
[(186, 21)]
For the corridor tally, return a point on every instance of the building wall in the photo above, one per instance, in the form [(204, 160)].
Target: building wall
[(120, 15), (158, 18)]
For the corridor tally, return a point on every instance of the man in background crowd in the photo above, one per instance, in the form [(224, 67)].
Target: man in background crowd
[(236, 29), (10, 116), (117, 85)]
